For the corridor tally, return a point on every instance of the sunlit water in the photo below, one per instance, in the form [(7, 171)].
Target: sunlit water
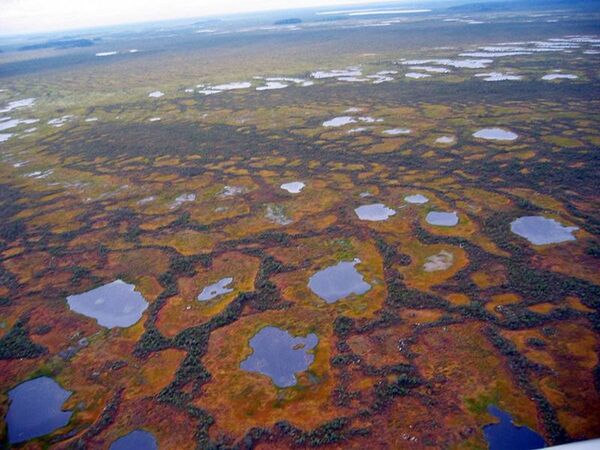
[(116, 304), (337, 282), (279, 355)]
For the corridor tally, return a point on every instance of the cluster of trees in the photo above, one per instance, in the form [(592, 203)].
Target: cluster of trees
[(520, 367), (106, 418), (16, 344), (386, 391), (334, 431)]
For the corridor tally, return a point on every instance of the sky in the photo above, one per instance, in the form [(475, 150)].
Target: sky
[(32, 16)]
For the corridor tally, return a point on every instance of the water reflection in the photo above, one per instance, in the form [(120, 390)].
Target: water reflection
[(35, 409), (442, 219), (136, 440), (116, 304), (540, 230), (216, 289), (280, 355), (506, 435), (339, 281)]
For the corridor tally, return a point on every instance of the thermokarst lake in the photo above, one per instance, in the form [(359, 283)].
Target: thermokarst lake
[(442, 219), (495, 134), (374, 213), (279, 355), (115, 304), (339, 281), (35, 409), (541, 230)]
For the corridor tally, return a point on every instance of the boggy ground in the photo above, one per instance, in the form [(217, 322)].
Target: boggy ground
[(177, 204)]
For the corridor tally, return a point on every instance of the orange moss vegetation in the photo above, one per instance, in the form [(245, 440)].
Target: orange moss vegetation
[(494, 306), (240, 400), (494, 275), (458, 299), (169, 425), (467, 374), (553, 257), (184, 310), (571, 354), (142, 262), (315, 254), (187, 242), (381, 347), (424, 256)]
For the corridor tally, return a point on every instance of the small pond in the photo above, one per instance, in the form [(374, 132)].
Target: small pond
[(445, 140), (336, 282), (279, 355), (214, 290), (559, 76), (116, 304), (339, 121), (417, 199), (495, 134), (35, 409), (442, 219), (396, 131), (293, 187), (540, 230)]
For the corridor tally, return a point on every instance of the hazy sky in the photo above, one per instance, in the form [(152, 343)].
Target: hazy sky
[(27, 16)]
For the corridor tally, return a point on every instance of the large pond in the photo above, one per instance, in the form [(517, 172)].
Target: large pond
[(279, 355), (339, 281), (136, 440), (540, 230), (506, 435), (442, 219), (214, 290), (116, 304), (35, 409), (495, 134), (374, 213)]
